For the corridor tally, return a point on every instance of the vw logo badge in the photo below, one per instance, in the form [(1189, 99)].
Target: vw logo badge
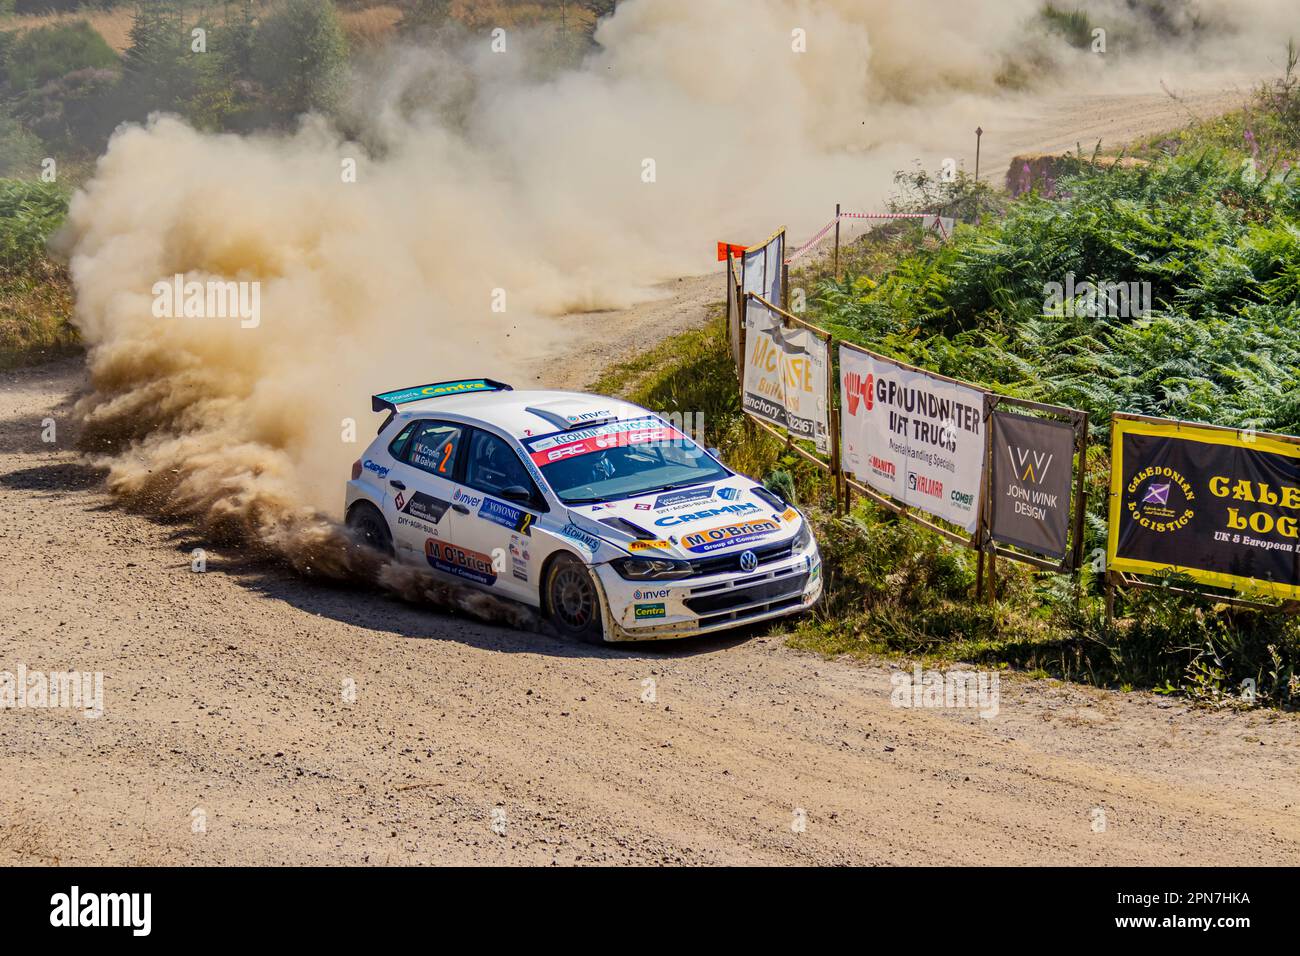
[(748, 561)]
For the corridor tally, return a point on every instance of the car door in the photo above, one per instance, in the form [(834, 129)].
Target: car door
[(504, 503), (421, 484)]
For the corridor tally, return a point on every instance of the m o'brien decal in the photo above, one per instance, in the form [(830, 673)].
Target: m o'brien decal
[(702, 542), (583, 441)]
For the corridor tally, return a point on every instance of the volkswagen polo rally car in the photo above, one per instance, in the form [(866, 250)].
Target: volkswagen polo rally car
[(612, 522)]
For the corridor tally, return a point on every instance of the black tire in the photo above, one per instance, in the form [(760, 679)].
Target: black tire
[(371, 528), (572, 601)]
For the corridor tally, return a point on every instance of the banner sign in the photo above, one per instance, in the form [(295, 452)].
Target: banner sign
[(1221, 506), (733, 316), (914, 436), (1031, 469), (785, 375), (761, 268)]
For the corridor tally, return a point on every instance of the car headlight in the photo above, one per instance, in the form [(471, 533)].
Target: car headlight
[(804, 537), (646, 569)]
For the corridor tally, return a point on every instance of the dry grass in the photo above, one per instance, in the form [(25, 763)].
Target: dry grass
[(35, 306), (113, 25), (24, 843), (370, 26)]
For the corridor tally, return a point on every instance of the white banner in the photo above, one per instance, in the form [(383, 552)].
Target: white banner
[(785, 375), (733, 316), (913, 436), (761, 268)]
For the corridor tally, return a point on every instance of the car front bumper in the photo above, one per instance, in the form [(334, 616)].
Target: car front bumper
[(685, 607)]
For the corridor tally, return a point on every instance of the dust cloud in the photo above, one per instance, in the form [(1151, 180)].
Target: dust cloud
[(484, 180)]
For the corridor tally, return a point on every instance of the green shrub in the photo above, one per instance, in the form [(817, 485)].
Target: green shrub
[(49, 52), (20, 151), (300, 56), (30, 211)]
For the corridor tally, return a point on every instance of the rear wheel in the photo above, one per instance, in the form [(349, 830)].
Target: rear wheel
[(370, 526), (572, 602)]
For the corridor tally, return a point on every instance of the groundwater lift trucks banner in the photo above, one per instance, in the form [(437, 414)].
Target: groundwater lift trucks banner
[(1219, 505), (914, 436)]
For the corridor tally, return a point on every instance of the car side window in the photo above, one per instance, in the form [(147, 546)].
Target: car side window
[(494, 466), (435, 447), (397, 447)]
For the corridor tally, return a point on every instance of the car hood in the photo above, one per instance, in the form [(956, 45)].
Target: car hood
[(699, 521)]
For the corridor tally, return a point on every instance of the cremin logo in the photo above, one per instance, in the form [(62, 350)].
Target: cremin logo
[(1029, 464)]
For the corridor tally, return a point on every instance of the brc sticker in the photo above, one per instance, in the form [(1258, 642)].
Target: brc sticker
[(725, 536), (789, 514), (641, 435)]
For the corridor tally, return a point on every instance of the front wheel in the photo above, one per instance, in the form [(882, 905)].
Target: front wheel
[(572, 602)]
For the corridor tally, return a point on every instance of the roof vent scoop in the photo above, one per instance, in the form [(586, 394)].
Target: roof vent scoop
[(569, 414)]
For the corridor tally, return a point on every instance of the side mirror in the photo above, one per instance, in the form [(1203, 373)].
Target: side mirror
[(517, 493), (715, 453)]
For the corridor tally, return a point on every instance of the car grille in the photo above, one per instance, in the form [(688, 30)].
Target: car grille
[(768, 593), (731, 562)]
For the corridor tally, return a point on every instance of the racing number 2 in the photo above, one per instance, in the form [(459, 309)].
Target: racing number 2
[(446, 456)]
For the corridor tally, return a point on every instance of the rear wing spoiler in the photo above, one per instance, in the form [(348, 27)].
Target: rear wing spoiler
[(388, 401)]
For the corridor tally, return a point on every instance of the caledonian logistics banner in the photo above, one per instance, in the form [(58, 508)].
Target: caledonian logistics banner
[(1219, 505)]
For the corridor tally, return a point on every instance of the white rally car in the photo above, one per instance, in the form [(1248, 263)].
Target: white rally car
[(603, 515)]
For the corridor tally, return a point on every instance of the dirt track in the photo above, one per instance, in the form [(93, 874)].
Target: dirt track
[(224, 702)]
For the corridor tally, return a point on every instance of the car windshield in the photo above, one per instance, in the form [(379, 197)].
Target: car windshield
[(621, 460)]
